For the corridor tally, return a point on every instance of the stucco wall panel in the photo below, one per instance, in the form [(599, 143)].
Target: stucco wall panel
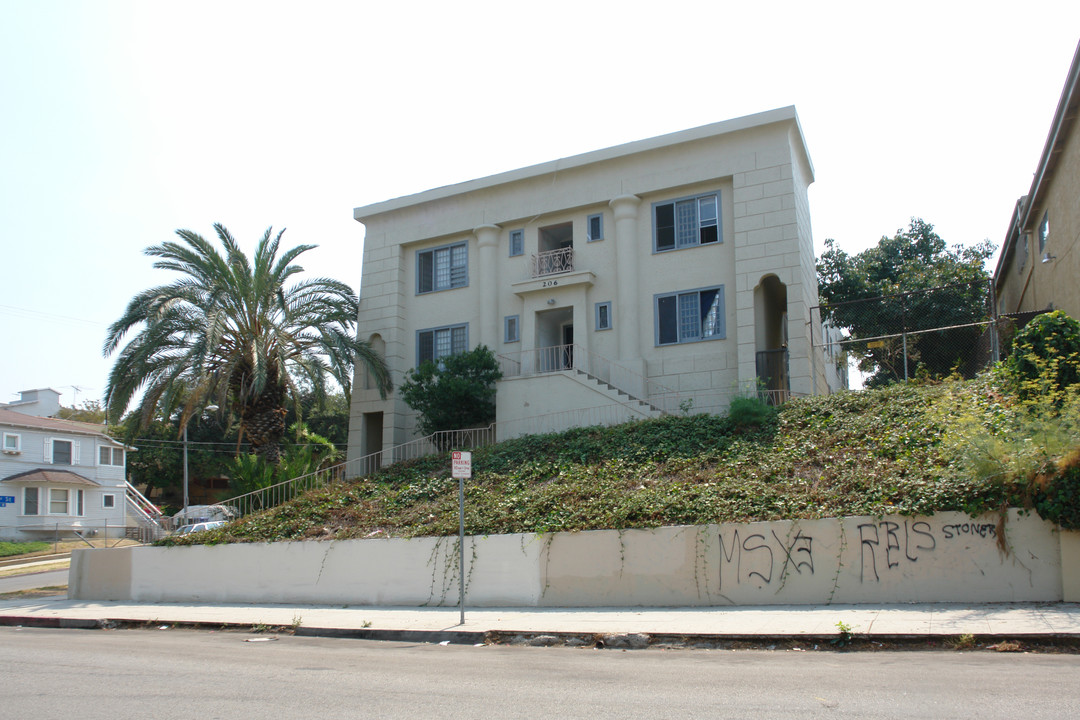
[(948, 557)]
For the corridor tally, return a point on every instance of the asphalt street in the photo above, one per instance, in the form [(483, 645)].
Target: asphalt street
[(30, 581), (120, 674)]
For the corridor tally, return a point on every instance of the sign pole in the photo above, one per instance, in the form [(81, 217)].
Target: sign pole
[(461, 547), (461, 468)]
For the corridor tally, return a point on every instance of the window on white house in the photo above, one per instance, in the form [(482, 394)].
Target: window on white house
[(594, 228), (58, 501), (436, 343), (687, 222), (12, 443), (517, 243), (1044, 231), (690, 316), (61, 452), (30, 501), (110, 456), (108, 500), (80, 503), (603, 316), (511, 329), (442, 268)]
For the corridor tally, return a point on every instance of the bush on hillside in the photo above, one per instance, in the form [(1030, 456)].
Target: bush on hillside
[(455, 393), (1045, 359)]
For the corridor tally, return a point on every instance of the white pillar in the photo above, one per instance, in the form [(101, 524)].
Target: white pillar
[(487, 240), (628, 323)]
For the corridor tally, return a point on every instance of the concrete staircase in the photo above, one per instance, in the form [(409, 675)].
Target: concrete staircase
[(614, 394)]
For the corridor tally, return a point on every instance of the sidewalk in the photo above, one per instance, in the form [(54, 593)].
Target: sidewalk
[(1031, 620)]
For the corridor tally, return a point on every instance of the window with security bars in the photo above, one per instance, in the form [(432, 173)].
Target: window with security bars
[(442, 268), (439, 342), (688, 222), (517, 243), (690, 316)]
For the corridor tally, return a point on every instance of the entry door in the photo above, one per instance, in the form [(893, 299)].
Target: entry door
[(568, 346)]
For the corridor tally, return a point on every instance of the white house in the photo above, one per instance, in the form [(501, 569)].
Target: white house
[(59, 477), (662, 275)]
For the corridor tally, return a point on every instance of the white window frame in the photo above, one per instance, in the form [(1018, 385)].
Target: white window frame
[(700, 233), (50, 456), (37, 500), (1044, 231), (597, 320), (66, 500), (108, 501), (512, 329), (682, 300), (517, 242), (80, 502), (591, 234), (457, 267), (12, 448), (461, 346), (107, 455)]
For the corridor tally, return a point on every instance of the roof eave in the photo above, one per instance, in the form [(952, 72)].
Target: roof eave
[(723, 127)]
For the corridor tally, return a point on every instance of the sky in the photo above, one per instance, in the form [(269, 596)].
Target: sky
[(121, 122)]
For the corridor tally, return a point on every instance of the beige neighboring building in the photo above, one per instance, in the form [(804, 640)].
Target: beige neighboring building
[(1039, 265), (662, 275)]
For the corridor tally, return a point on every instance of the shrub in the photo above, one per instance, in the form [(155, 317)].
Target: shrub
[(457, 392), (746, 412), (1046, 355), (1057, 498)]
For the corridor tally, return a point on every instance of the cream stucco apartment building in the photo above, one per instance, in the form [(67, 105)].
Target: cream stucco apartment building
[(662, 275), (1039, 265)]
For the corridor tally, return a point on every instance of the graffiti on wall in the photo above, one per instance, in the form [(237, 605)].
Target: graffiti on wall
[(757, 558)]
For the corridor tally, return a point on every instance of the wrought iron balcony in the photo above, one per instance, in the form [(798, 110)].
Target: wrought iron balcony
[(552, 262)]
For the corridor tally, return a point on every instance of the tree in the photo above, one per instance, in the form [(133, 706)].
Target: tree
[(911, 281), (159, 462), (230, 332), (454, 393), (89, 411)]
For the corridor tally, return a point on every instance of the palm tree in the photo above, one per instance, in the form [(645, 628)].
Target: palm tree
[(231, 333)]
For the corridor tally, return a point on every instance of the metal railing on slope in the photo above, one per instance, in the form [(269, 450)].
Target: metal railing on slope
[(285, 490), (146, 514)]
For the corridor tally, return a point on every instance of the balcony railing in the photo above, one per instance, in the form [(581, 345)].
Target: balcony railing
[(552, 262)]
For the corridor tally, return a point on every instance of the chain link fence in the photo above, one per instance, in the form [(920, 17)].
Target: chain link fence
[(951, 329)]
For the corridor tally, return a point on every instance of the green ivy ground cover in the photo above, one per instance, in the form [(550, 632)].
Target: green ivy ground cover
[(873, 452)]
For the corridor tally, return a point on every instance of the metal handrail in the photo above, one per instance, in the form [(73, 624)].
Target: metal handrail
[(527, 363), (143, 502), (278, 493)]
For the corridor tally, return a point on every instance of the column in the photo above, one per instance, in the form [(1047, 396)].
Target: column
[(628, 324), (487, 240)]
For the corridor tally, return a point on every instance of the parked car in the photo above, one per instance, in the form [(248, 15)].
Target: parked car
[(198, 527)]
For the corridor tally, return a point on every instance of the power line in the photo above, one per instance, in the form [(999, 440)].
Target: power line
[(32, 314)]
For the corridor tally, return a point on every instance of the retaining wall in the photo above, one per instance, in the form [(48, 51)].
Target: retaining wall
[(948, 557)]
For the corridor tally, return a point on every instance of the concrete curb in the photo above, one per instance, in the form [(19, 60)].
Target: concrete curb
[(1061, 642)]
